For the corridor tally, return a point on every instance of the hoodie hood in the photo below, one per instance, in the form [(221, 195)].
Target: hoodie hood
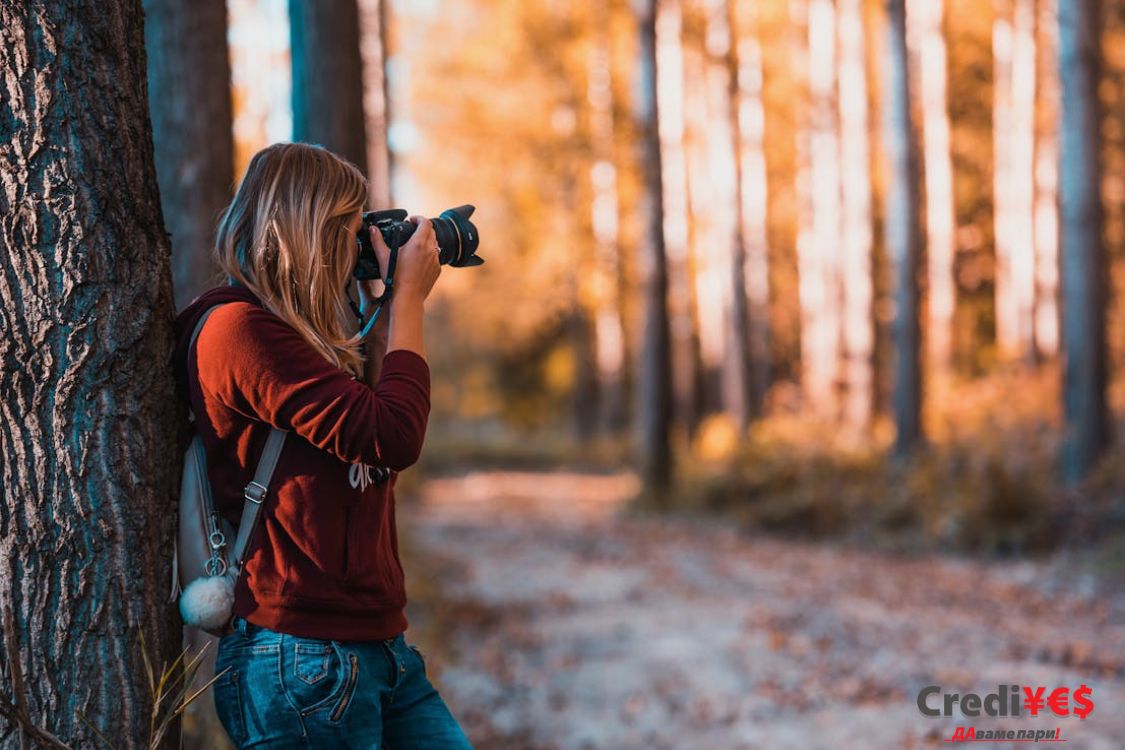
[(187, 319)]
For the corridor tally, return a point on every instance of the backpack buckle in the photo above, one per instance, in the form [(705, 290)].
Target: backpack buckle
[(255, 493)]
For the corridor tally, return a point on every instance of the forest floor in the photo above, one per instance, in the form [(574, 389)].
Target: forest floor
[(553, 618)]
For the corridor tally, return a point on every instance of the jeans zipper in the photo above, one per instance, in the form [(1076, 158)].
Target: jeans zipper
[(343, 704)]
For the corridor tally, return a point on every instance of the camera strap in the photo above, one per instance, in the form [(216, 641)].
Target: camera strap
[(378, 303)]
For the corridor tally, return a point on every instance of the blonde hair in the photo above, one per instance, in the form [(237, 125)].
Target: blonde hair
[(285, 237)]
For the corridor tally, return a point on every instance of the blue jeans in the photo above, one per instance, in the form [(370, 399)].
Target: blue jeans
[(283, 691)]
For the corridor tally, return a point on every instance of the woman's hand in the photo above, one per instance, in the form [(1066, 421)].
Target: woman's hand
[(417, 268)]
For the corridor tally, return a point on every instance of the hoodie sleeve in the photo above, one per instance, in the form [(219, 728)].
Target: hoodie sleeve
[(255, 363)]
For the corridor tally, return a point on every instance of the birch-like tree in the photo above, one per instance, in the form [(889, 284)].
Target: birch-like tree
[(1013, 49), (855, 245), (926, 36)]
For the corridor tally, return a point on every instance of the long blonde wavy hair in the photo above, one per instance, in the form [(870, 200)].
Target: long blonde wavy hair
[(285, 237)]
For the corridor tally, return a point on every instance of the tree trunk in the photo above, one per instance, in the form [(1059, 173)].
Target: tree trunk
[(902, 232), (609, 327), (328, 77), (686, 363), (1013, 43), (856, 232), (735, 82), (925, 19), (189, 95), (654, 372), (1047, 183), (374, 45), (89, 412), (819, 268), (1083, 255)]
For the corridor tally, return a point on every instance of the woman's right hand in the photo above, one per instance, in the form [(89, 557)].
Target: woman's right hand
[(417, 267)]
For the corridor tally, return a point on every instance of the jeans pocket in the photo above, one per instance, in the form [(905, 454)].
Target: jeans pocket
[(228, 705), (310, 672), (311, 661)]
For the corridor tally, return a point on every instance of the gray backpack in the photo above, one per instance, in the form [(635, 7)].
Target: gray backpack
[(204, 567)]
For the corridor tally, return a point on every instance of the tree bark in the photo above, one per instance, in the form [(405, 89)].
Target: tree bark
[(1083, 254), (654, 372), (89, 412), (902, 232), (328, 77), (189, 94)]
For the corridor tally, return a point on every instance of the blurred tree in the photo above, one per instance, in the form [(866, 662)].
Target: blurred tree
[(682, 295), (1013, 46), (1082, 251), (654, 369), (375, 25), (902, 231), (608, 312), (1046, 327), (856, 241), (328, 88), (734, 80), (89, 441), (817, 256), (926, 36), (190, 100)]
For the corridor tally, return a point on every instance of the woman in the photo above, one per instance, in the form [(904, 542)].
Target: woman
[(317, 658)]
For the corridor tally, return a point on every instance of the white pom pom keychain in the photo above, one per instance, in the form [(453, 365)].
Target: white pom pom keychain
[(207, 601)]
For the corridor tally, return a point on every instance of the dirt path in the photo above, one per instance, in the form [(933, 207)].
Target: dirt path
[(575, 626)]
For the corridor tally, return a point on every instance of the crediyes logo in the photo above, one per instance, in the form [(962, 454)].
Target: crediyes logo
[(1008, 700)]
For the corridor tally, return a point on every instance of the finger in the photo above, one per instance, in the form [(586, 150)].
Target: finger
[(382, 252), (425, 227)]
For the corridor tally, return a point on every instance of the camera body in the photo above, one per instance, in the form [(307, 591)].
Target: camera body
[(457, 238)]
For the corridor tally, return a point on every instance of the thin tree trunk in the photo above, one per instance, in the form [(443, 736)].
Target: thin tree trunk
[(925, 19), (654, 375), (1047, 184), (902, 232), (609, 329), (711, 210), (856, 233), (671, 125), (374, 49), (88, 434), (1083, 255), (735, 82), (1013, 43), (747, 97), (818, 260), (328, 77), (189, 95)]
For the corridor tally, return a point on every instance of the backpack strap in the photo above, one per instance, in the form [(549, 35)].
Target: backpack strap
[(255, 491)]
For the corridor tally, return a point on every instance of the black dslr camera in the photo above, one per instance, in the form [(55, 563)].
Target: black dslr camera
[(457, 238)]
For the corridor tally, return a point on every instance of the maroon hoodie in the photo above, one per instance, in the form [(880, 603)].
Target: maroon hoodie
[(323, 562)]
